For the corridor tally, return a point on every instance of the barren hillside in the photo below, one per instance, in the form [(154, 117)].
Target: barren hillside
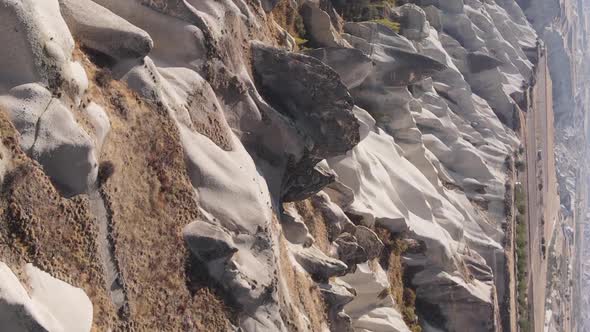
[(265, 165)]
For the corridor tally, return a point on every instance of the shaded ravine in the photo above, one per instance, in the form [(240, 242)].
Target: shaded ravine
[(106, 249)]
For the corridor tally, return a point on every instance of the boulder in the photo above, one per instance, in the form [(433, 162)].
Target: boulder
[(478, 269), (49, 305), (396, 62), (69, 305), (369, 241), (352, 65), (318, 25), (349, 251), (365, 34), (65, 151), (51, 135), (373, 308), (433, 17), (268, 5), (305, 180), (42, 85), (320, 266), (39, 44), (318, 106), (17, 311), (5, 161), (414, 23), (471, 184), (451, 6), (336, 220), (294, 228), (101, 30), (100, 121), (459, 27), (405, 68), (208, 241), (479, 61), (313, 97), (336, 297), (457, 301), (24, 105)]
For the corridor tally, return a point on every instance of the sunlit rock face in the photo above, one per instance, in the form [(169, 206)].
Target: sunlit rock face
[(241, 173)]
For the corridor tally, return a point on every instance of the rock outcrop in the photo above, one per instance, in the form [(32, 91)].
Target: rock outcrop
[(46, 304)]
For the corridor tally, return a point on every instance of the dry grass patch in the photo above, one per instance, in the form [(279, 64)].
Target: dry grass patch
[(56, 234), (150, 200), (391, 262), (288, 18), (315, 222), (302, 292)]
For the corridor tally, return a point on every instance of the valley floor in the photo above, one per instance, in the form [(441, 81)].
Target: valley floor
[(539, 179)]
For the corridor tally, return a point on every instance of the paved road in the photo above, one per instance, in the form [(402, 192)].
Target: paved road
[(541, 183)]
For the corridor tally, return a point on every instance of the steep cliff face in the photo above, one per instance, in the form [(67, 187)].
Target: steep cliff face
[(191, 165)]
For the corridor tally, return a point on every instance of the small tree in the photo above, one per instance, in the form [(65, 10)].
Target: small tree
[(105, 170)]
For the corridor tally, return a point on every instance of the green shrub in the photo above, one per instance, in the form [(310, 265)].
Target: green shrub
[(520, 198), (388, 23), (299, 26), (363, 10), (300, 42), (409, 310), (105, 170), (521, 243), (391, 262)]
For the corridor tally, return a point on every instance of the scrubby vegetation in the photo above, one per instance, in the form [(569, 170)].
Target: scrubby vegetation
[(363, 10), (149, 204), (519, 164), (105, 171), (520, 199), (301, 42), (521, 240), (379, 11), (391, 262), (388, 23), (300, 32), (289, 18)]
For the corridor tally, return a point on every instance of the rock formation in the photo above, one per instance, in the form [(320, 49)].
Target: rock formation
[(198, 167)]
